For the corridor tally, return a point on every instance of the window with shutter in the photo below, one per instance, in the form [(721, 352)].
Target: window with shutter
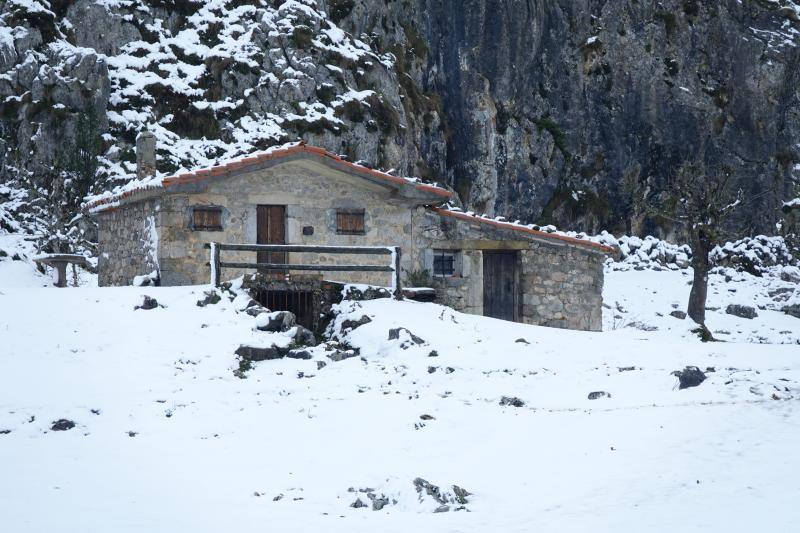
[(350, 222), (444, 263), (205, 218)]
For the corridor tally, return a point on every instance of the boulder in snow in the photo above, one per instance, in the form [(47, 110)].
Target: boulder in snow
[(243, 301), (379, 503), (406, 336), (599, 394), (276, 321), (792, 310), (303, 337), (147, 303), (691, 376), (358, 504), (209, 298), (62, 424), (781, 294), (444, 498), (513, 401), (341, 355), (461, 494), (424, 486), (353, 324), (300, 354), (680, 315), (370, 293), (790, 274), (742, 311), (255, 353), (255, 310)]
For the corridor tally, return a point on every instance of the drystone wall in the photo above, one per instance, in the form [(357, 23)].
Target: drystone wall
[(562, 287), (129, 240)]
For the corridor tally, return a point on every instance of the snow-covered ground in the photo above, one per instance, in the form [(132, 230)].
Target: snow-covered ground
[(168, 439), (644, 300)]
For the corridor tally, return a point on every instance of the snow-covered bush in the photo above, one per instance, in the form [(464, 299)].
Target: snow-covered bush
[(753, 254), (646, 252)]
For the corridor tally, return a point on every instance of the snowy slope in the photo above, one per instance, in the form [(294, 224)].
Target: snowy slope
[(167, 439), (643, 300)]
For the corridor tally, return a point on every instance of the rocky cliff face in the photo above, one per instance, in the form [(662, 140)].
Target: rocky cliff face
[(580, 111), (575, 112)]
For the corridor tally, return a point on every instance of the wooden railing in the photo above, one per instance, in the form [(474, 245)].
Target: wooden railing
[(217, 264)]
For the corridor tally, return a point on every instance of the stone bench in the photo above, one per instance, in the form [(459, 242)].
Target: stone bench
[(59, 262)]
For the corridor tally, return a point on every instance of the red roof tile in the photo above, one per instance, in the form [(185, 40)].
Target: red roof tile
[(516, 227), (245, 162)]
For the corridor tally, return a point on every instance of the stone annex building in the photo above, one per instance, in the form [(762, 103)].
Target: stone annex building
[(303, 195)]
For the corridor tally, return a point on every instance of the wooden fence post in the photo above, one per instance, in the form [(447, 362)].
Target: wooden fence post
[(215, 264), (398, 288)]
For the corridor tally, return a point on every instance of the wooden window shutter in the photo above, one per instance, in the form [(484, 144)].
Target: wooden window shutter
[(206, 218), (350, 222)]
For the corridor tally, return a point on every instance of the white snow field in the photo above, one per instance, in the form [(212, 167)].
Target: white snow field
[(167, 439)]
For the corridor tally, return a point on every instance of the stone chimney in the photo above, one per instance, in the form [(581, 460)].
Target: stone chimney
[(145, 155)]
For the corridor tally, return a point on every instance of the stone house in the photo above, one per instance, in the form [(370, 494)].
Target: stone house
[(303, 195)]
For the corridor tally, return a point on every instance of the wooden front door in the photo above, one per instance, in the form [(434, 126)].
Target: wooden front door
[(271, 229), (500, 285)]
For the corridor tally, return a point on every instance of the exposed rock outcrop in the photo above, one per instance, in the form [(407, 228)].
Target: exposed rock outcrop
[(565, 111)]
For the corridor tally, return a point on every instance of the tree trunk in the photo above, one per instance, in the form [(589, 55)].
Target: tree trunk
[(701, 246)]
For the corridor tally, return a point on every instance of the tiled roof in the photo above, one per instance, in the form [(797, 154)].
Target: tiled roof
[(519, 227), (247, 162)]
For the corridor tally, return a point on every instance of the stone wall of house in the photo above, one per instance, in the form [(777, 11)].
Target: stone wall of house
[(464, 291), (311, 193), (562, 287), (129, 242), (559, 285)]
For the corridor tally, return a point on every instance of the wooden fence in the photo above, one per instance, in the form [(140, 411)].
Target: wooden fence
[(217, 264)]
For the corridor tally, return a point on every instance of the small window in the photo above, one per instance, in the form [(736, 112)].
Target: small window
[(350, 221), (206, 218), (444, 263)]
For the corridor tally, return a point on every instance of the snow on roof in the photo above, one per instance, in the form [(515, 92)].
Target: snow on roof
[(136, 189), (545, 232)]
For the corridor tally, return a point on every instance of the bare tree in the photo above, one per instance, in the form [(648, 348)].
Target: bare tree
[(701, 202)]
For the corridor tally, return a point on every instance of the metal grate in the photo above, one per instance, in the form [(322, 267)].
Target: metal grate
[(444, 263), (301, 303)]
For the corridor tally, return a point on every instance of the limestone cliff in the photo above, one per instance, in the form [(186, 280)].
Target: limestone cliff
[(574, 112)]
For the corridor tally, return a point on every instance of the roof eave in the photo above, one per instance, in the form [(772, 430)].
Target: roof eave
[(549, 238), (422, 194)]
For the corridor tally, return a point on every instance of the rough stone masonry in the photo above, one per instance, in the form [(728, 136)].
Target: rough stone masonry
[(550, 280)]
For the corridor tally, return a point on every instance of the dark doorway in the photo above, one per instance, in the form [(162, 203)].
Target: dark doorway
[(271, 229), (500, 285)]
